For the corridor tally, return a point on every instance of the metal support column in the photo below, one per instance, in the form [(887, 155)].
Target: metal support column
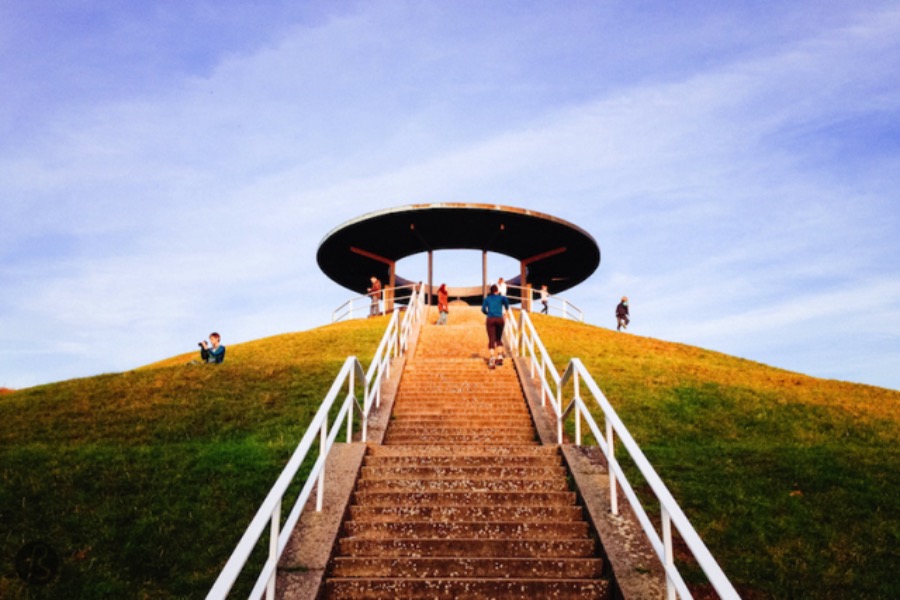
[(430, 275), (484, 283)]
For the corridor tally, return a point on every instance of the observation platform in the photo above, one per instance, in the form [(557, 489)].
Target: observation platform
[(550, 251)]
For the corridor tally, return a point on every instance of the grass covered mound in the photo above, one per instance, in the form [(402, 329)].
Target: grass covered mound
[(141, 483), (791, 481)]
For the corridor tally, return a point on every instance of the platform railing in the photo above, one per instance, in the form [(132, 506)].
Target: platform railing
[(360, 386), (552, 386), (530, 298), (359, 307)]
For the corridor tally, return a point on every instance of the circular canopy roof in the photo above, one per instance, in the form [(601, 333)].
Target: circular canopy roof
[(555, 253)]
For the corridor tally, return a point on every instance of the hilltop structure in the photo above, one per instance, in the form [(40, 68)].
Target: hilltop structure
[(550, 251)]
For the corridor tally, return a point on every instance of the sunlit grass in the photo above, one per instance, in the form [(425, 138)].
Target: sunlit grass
[(143, 481), (790, 480)]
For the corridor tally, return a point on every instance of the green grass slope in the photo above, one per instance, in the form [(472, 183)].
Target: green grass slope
[(142, 482), (792, 481)]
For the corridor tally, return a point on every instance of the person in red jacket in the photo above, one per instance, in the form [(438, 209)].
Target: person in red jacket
[(443, 302)]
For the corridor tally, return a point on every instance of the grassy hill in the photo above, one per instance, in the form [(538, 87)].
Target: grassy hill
[(143, 481)]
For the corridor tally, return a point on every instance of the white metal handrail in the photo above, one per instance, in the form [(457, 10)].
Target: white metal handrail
[(552, 385), (555, 304), (395, 341), (363, 304)]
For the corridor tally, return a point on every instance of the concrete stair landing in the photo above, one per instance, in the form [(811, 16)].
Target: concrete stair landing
[(461, 500)]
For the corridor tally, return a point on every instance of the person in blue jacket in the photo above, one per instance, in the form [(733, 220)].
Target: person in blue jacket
[(493, 306), (212, 351)]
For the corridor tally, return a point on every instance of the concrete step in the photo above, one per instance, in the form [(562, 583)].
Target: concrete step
[(461, 399), (462, 408), (515, 423), (457, 514), (450, 450), (462, 413), (463, 498), (421, 568), (456, 422), (462, 485), (402, 428), (449, 398), (488, 380), (466, 589), (462, 461), (467, 387), (544, 530), (472, 438), (484, 376), (456, 472), (469, 390), (519, 548)]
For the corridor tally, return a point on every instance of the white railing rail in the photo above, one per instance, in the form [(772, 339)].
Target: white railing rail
[(556, 305), (552, 386), (361, 306), (395, 341)]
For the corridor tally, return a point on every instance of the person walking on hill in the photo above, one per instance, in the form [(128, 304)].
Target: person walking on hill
[(622, 319), (545, 300), (443, 302), (501, 287), (493, 306)]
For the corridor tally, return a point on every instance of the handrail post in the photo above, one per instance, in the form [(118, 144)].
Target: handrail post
[(543, 380), (668, 553), (320, 488), (611, 446), (364, 436), (397, 338), (521, 348), (351, 389), (274, 533), (559, 415), (577, 411)]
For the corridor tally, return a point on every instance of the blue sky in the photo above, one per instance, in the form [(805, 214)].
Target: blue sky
[(169, 168)]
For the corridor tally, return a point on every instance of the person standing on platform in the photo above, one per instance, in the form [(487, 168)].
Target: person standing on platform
[(375, 294), (443, 302), (501, 287)]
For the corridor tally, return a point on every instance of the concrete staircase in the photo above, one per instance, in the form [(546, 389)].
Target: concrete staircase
[(461, 500)]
